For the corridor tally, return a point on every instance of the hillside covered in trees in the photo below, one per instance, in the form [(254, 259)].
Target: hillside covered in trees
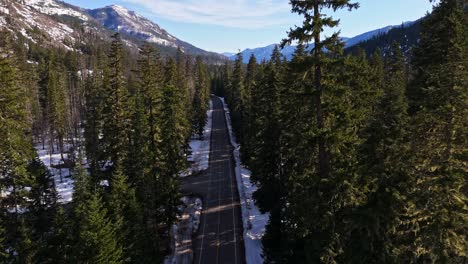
[(121, 124), (359, 156)]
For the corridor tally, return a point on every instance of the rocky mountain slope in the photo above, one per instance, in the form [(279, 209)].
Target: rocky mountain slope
[(128, 23), (52, 22)]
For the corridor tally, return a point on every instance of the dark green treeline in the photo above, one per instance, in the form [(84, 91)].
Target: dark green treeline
[(123, 119), (358, 158)]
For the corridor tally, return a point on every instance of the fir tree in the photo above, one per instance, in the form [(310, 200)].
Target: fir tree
[(124, 213), (56, 104), (15, 144), (200, 101), (247, 126), (43, 197), (97, 234), (173, 141), (311, 31), (58, 247), (438, 97), (235, 95), (93, 115), (116, 112), (26, 248), (321, 179), (183, 72), (385, 160), (3, 246)]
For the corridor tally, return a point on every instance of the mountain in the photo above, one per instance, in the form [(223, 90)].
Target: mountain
[(228, 54), (374, 33), (44, 22), (407, 35), (130, 24), (264, 53), (52, 22)]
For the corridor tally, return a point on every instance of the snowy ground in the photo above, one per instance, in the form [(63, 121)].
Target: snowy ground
[(253, 221), (200, 148), (181, 233), (62, 176)]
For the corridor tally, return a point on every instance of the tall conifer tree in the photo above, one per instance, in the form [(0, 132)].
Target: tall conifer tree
[(438, 102), (116, 112)]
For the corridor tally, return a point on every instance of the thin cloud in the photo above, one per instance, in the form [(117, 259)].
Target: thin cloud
[(230, 13)]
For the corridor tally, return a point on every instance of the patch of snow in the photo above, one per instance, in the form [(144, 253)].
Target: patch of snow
[(57, 31), (182, 232), (51, 7), (4, 10), (200, 155), (253, 221), (26, 35), (161, 41), (133, 23), (129, 43), (104, 183), (63, 181)]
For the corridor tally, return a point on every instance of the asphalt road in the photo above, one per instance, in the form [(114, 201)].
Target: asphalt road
[(219, 238)]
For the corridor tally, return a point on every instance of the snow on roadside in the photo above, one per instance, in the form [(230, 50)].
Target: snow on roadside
[(200, 155), (253, 221), (181, 232)]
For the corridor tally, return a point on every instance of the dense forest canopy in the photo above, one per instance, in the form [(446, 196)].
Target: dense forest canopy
[(359, 156)]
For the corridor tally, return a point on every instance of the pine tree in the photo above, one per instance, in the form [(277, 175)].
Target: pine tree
[(56, 103), (147, 152), (15, 144), (438, 97), (97, 234), (15, 153), (235, 95), (322, 185), (247, 126), (312, 30), (3, 246), (116, 112), (266, 158), (200, 101), (93, 115), (26, 248), (94, 234), (43, 197), (58, 248), (183, 77), (173, 141), (384, 157), (124, 213)]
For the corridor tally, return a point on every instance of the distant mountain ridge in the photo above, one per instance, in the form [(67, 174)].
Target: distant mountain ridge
[(56, 23), (264, 53), (129, 23)]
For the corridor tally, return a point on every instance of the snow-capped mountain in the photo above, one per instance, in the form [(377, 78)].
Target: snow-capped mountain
[(264, 53), (122, 20), (37, 21), (52, 22), (119, 19)]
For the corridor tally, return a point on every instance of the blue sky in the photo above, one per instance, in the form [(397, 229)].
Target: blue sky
[(230, 25)]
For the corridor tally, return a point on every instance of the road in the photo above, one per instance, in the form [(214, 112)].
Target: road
[(219, 238)]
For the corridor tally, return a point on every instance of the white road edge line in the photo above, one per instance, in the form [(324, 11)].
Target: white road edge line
[(232, 200)]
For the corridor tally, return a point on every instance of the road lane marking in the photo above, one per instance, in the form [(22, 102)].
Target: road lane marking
[(232, 201)]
